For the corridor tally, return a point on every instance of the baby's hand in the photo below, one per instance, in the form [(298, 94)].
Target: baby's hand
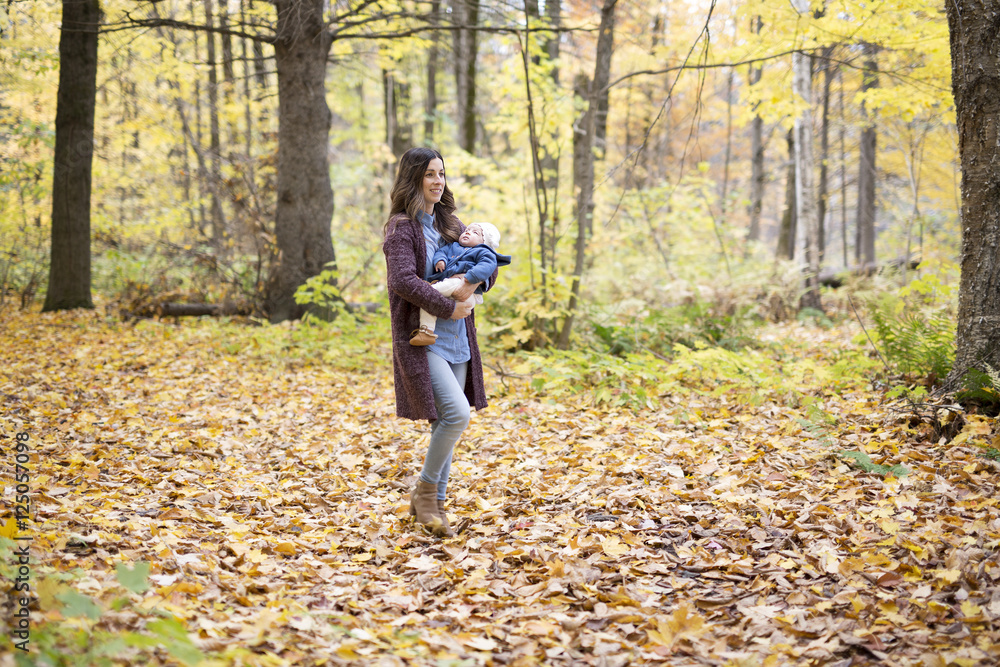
[(439, 266)]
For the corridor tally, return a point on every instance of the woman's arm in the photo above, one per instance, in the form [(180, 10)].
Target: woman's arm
[(404, 279)]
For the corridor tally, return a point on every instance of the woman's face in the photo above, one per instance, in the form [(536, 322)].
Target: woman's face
[(433, 184)]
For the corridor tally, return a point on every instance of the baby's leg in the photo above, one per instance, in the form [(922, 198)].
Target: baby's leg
[(427, 321), (425, 334), (445, 287), (448, 285)]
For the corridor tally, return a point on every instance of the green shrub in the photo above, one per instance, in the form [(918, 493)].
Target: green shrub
[(699, 323)]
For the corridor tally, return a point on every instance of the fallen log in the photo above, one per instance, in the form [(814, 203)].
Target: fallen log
[(190, 309), (836, 279)]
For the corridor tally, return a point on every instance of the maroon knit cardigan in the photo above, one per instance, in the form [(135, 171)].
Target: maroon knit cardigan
[(405, 261)]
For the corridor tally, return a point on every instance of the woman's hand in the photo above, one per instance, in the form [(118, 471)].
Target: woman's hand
[(463, 309), (465, 291)]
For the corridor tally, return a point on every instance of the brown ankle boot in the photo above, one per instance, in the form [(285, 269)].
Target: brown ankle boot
[(424, 506), (444, 516)]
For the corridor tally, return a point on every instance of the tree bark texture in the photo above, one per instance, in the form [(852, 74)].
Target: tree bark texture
[(69, 264), (304, 197), (865, 239), (549, 156), (724, 197), (399, 133), (584, 139), (805, 193), (976, 85), (465, 14), (602, 76), (789, 218), (756, 155), (822, 195), (215, 147), (430, 97)]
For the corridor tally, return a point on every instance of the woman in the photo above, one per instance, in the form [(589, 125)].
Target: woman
[(438, 382)]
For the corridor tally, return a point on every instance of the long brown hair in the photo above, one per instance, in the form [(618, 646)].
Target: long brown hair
[(407, 194)]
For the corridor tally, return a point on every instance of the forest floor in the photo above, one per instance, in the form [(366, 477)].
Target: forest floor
[(266, 492)]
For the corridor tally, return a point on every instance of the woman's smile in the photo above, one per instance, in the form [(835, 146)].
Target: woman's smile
[(433, 184)]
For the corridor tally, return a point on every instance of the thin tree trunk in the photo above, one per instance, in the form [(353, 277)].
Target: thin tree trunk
[(248, 117), (399, 135), (69, 263), (789, 218), (228, 76), (196, 138), (975, 64), (805, 194), (466, 17), (553, 12), (304, 195), (584, 138), (260, 65), (215, 149), (756, 156), (549, 156), (430, 97), (865, 248), (843, 176), (824, 150), (600, 91), (729, 144), (227, 44)]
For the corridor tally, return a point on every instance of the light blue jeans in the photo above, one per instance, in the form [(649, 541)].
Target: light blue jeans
[(448, 382)]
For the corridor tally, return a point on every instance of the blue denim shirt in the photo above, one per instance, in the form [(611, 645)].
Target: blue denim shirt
[(452, 342)]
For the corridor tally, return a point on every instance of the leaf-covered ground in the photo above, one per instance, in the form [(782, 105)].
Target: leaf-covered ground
[(714, 526)]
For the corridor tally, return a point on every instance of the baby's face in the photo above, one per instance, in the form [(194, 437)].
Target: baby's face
[(472, 236)]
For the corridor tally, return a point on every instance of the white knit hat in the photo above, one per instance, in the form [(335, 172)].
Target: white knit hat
[(491, 235)]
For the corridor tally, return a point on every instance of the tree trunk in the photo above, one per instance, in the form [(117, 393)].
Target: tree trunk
[(466, 17), (399, 135), (430, 97), (196, 139), (789, 218), (549, 156), (843, 175), (756, 156), (976, 86), (304, 196), (805, 194), (865, 246), (215, 148), (227, 46), (69, 265), (584, 138), (824, 150), (260, 65), (248, 121), (724, 198), (553, 11), (602, 76), (228, 74)]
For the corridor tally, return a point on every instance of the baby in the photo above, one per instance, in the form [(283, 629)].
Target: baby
[(474, 254)]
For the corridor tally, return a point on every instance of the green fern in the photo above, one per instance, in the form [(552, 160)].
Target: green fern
[(994, 376), (863, 462), (915, 342)]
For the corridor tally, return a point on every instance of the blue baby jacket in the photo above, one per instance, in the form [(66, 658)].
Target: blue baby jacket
[(477, 263)]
